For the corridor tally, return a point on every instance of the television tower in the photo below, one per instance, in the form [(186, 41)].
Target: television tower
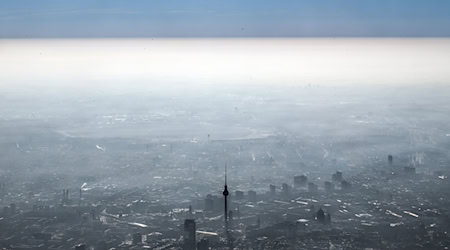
[(225, 195)]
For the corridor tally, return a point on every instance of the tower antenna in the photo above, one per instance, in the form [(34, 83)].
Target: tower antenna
[(225, 174)]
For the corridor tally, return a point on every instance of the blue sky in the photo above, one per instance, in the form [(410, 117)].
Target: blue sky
[(232, 18)]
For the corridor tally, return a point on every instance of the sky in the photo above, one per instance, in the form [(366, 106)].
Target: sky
[(218, 18), (105, 63)]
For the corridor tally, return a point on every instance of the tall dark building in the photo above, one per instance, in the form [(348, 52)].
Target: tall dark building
[(189, 235), (390, 160)]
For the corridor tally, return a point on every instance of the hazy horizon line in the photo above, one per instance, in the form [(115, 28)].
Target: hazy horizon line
[(224, 37)]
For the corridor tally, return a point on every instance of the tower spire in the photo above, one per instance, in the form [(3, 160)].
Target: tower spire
[(225, 174)]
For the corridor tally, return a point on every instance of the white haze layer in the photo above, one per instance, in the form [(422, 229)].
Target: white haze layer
[(103, 62)]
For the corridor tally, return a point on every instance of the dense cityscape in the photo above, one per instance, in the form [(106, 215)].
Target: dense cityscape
[(272, 186)]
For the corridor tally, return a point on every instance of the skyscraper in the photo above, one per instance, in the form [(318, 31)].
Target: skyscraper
[(189, 235)]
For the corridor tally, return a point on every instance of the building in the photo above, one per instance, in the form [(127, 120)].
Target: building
[(300, 181), (239, 195), (272, 190), (286, 189), (252, 196), (189, 235), (337, 177)]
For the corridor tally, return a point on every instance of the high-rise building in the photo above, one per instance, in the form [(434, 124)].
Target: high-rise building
[(189, 235), (272, 190), (390, 160), (239, 195), (337, 176), (286, 189), (300, 181), (252, 197)]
